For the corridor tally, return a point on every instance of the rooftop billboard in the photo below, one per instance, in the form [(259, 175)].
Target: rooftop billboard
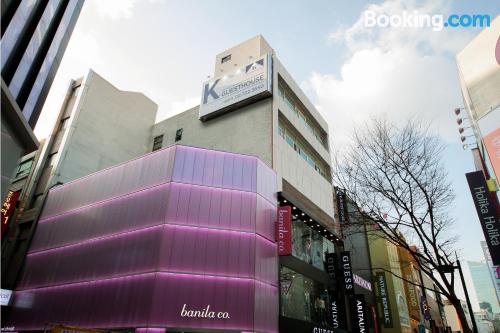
[(241, 87)]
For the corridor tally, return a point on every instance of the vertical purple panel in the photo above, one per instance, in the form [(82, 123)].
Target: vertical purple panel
[(121, 302), (215, 169), (266, 182), (266, 261), (129, 253), (144, 172), (266, 308), (224, 295), (207, 251), (130, 212), (211, 207), (266, 214)]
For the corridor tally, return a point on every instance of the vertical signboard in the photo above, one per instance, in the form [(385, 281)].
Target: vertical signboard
[(284, 231), (487, 213), (342, 207), (425, 308), (346, 270), (8, 207), (337, 310), (383, 299), (410, 291), (358, 314)]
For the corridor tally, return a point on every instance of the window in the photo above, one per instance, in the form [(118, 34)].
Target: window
[(50, 160), (303, 298), (293, 103), (225, 59), (290, 141), (281, 132), (178, 135), (157, 142), (64, 124), (299, 148), (24, 168)]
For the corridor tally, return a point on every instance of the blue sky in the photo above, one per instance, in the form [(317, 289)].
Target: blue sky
[(165, 49)]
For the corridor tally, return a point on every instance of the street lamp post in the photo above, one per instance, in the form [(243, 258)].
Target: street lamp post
[(451, 269)]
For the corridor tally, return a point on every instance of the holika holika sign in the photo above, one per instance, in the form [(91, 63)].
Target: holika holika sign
[(487, 213), (233, 90), (203, 313)]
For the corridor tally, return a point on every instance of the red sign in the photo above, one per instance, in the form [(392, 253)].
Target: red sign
[(284, 231), (492, 142), (8, 208)]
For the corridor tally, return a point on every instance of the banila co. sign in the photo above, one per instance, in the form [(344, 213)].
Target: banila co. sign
[(284, 231), (236, 89), (206, 312)]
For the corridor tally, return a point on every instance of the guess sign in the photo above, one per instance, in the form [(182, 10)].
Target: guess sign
[(346, 267)]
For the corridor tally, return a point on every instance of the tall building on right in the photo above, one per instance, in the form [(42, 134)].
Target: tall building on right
[(493, 270), (479, 74), (483, 285)]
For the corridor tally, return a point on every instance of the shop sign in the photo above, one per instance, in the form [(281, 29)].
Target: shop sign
[(284, 231), (358, 314), (234, 90), (383, 298), (5, 296), (342, 207), (8, 207), (486, 211), (203, 313), (492, 143), (321, 330), (331, 269), (346, 269), (425, 308), (358, 280)]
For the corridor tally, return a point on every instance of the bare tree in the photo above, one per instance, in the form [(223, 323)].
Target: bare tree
[(395, 177)]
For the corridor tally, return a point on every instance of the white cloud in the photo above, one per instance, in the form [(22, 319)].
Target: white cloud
[(118, 9), (395, 71), (115, 9)]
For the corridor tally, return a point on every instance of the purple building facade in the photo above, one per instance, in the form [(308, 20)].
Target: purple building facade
[(179, 239)]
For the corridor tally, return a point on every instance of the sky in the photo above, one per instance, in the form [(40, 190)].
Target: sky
[(166, 49)]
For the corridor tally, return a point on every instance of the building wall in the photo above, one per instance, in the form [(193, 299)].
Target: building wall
[(384, 258), (246, 131), (492, 268), (300, 180), (253, 130), (241, 54), (483, 284), (109, 126), (134, 245)]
